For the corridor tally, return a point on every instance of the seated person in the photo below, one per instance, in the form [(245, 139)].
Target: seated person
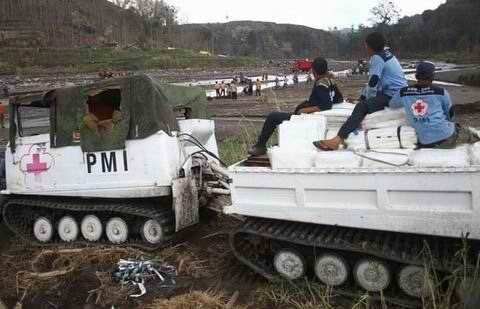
[(324, 94), (386, 80), (429, 111), (103, 111)]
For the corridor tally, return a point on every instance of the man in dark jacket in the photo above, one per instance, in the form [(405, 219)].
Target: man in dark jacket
[(324, 94)]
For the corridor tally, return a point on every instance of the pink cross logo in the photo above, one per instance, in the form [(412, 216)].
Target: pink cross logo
[(36, 167)]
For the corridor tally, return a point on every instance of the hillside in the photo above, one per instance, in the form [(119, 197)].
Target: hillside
[(450, 32), (66, 23), (260, 39), (451, 28)]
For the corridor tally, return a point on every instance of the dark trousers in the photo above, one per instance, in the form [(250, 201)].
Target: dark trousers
[(361, 110), (274, 119)]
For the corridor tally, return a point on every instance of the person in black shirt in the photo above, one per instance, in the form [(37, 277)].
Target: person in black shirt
[(324, 94)]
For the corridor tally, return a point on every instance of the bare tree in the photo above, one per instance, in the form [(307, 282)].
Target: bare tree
[(385, 13), (124, 4)]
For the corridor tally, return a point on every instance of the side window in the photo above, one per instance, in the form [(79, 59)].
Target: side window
[(103, 110)]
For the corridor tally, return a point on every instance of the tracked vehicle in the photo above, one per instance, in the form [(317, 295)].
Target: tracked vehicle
[(357, 230), (125, 161)]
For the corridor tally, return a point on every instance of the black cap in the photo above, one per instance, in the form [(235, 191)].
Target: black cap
[(376, 41), (320, 65), (425, 71)]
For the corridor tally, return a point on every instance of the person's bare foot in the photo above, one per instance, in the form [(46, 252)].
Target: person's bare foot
[(329, 144)]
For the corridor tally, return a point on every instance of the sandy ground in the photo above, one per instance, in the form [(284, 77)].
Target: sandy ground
[(203, 258)]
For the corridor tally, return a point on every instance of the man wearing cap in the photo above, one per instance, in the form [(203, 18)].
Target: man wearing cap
[(429, 111), (324, 94), (386, 79)]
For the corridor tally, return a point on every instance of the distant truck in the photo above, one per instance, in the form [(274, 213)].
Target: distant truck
[(302, 65)]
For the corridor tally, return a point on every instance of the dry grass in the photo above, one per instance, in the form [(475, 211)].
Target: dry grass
[(196, 300), (72, 272)]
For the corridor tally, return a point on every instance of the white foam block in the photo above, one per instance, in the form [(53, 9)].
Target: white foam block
[(387, 138), (385, 158), (356, 141), (337, 159), (475, 153), (387, 114), (457, 157), (287, 158), (302, 132)]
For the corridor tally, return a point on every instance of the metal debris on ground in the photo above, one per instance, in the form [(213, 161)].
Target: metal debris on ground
[(139, 272)]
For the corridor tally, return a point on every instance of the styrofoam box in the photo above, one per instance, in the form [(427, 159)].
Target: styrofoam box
[(385, 124), (475, 153), (396, 157), (287, 158), (356, 141), (387, 114), (387, 138), (337, 159), (457, 157), (301, 133)]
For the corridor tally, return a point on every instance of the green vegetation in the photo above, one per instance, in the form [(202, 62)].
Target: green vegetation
[(472, 79), (76, 60), (234, 148)]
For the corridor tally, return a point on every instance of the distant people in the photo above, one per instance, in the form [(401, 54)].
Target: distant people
[(324, 94), (277, 83), (217, 89), (285, 81), (233, 91), (429, 111), (222, 89), (295, 79), (250, 87), (385, 81), (258, 88)]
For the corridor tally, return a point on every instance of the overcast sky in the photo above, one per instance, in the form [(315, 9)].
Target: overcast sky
[(321, 14)]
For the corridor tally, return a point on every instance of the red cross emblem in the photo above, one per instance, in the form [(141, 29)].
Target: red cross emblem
[(36, 167), (419, 108)]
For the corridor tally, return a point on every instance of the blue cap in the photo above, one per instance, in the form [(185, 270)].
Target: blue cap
[(425, 70)]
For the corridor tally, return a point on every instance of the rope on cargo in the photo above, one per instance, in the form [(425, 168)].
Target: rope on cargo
[(382, 161)]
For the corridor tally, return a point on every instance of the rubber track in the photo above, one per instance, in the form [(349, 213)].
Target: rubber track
[(19, 212), (394, 247)]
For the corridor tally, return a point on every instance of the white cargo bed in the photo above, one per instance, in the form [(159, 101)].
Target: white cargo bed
[(432, 201)]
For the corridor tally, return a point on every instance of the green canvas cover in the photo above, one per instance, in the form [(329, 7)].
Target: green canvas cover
[(146, 107)]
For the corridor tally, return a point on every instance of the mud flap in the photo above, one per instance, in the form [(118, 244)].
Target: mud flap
[(185, 203)]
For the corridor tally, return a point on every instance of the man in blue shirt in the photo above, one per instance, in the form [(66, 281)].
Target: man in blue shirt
[(324, 94), (429, 111), (386, 78)]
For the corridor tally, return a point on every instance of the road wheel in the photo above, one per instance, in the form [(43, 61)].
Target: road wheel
[(372, 275), (43, 229), (152, 232), (289, 264), (68, 229), (91, 228), (331, 269), (117, 230), (411, 280)]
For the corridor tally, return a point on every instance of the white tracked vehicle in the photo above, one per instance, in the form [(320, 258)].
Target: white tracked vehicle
[(356, 229), (116, 166)]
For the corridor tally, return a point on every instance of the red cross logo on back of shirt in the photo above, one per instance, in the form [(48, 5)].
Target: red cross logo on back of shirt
[(419, 108)]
